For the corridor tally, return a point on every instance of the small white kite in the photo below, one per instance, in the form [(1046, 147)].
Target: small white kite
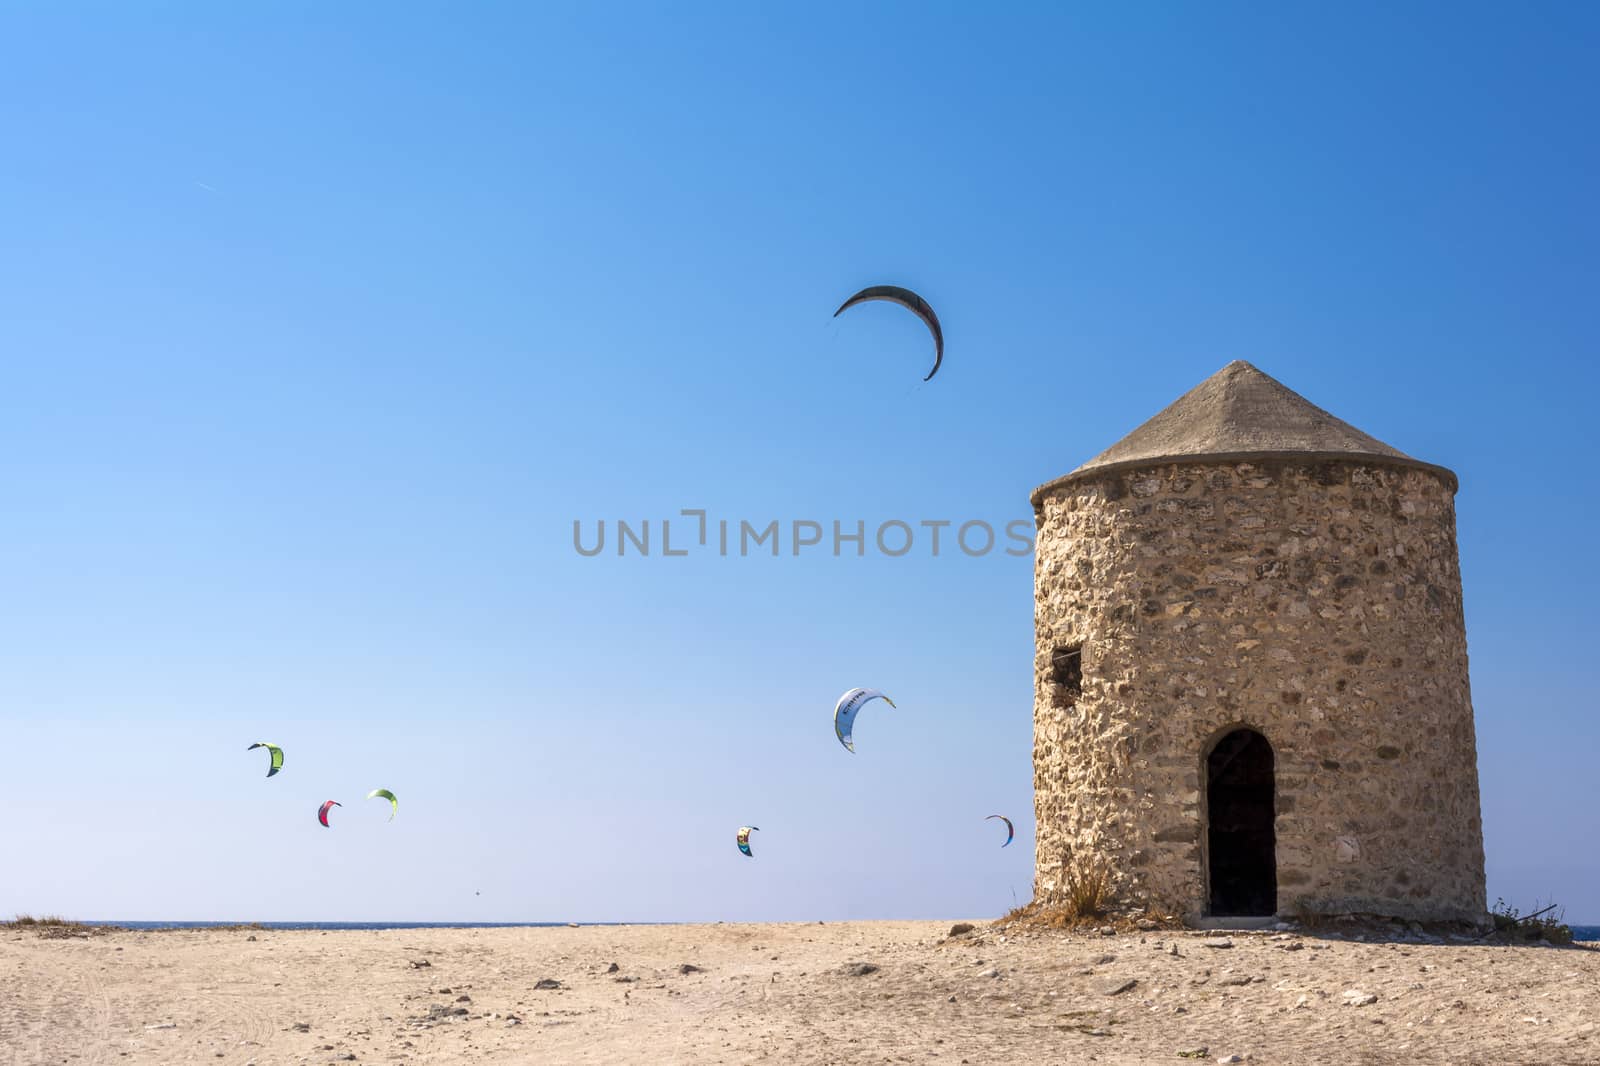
[(844, 712)]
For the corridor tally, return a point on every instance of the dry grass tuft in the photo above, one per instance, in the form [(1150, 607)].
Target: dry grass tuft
[(1512, 925), (1083, 897), (54, 927), (1086, 887)]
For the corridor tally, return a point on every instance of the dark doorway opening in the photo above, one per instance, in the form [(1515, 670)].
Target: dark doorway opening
[(1242, 845)]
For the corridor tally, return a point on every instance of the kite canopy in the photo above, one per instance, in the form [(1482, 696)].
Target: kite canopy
[(383, 793), (844, 712), (273, 750), (1010, 829), (744, 837), (322, 815), (911, 302)]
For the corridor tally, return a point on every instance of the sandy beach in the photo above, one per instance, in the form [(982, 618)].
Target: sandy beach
[(795, 993)]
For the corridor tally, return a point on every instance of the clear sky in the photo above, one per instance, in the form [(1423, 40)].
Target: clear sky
[(320, 325)]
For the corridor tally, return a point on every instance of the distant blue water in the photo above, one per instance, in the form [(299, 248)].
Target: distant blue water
[(1579, 932), (342, 925)]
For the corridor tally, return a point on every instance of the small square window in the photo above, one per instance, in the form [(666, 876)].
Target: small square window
[(1066, 674)]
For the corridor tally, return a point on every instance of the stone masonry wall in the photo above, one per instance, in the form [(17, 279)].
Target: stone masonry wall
[(1318, 603)]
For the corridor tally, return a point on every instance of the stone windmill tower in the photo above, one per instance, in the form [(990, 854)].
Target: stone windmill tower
[(1251, 686)]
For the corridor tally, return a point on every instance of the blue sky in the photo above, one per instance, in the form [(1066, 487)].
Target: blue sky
[(322, 326)]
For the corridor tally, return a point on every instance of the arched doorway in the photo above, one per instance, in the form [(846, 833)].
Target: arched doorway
[(1242, 847)]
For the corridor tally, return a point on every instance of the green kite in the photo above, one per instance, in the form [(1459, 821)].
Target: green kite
[(273, 750), (384, 793)]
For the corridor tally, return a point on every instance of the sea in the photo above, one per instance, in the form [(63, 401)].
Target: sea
[(1579, 932), (343, 925)]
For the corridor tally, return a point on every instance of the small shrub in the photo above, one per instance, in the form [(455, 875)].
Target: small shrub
[(53, 927), (1543, 923), (1086, 887), (1082, 896)]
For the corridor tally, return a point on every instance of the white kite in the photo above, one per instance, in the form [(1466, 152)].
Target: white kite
[(844, 712)]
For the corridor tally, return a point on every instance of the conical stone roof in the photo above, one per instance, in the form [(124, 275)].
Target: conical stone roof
[(1239, 413)]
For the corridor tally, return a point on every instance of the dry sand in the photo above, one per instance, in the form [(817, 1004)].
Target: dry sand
[(785, 993)]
